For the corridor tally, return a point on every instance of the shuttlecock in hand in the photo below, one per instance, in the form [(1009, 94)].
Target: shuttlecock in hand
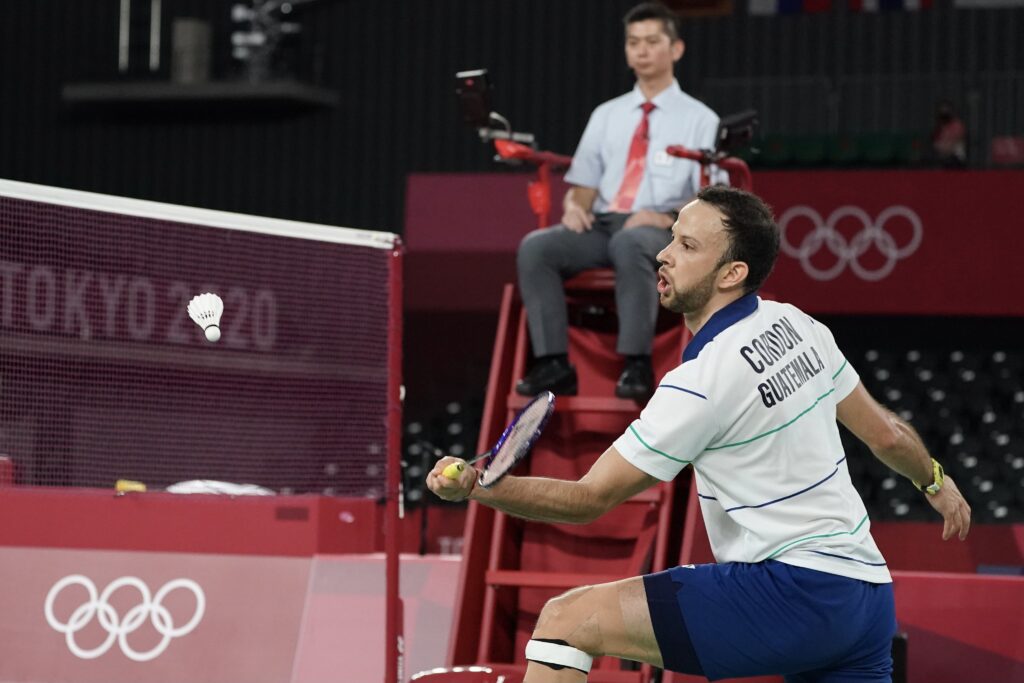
[(205, 310)]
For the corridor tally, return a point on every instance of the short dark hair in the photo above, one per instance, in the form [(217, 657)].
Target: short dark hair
[(654, 10), (753, 233)]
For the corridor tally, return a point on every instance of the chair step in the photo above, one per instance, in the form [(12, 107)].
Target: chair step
[(533, 579), (583, 404)]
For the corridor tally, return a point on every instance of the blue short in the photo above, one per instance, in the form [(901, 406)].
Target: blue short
[(770, 618)]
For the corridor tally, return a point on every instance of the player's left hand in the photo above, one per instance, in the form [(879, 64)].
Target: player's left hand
[(955, 511), (450, 489), (648, 217)]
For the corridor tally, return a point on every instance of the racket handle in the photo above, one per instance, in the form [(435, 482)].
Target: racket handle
[(453, 470)]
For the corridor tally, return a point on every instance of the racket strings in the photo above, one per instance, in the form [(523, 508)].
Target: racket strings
[(518, 441)]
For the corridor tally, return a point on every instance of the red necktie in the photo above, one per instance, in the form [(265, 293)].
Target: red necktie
[(623, 202)]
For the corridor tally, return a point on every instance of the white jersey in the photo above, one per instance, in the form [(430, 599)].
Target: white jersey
[(753, 409)]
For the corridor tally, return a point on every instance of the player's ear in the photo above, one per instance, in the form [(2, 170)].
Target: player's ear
[(733, 274), (678, 48)]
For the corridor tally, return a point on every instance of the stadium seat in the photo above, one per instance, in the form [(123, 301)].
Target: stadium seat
[(995, 502), (1010, 462), (999, 359), (880, 358), (996, 424), (968, 406), (918, 359), (976, 468), (900, 397), (1006, 383)]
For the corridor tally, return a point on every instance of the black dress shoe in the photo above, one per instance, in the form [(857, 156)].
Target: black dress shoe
[(549, 374), (637, 380)]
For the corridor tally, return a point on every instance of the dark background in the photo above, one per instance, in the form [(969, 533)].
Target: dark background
[(392, 62)]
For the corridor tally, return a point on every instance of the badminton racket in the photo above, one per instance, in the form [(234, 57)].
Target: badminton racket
[(513, 445)]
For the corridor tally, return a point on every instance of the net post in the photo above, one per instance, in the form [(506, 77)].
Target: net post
[(394, 650)]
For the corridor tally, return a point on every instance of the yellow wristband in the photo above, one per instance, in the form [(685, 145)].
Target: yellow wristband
[(937, 478)]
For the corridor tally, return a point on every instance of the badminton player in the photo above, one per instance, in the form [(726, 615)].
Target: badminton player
[(799, 588)]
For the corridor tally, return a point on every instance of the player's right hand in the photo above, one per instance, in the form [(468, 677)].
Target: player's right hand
[(955, 511), (450, 489), (577, 219)]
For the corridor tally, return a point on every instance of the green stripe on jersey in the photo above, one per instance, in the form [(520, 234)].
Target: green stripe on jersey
[(655, 450), (777, 429), (808, 538), (840, 369)]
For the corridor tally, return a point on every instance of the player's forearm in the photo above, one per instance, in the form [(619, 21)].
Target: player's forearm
[(541, 499), (904, 452)]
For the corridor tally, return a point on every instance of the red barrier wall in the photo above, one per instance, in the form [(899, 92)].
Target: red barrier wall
[(250, 525), (923, 242), (163, 588), (961, 628), (263, 619), (278, 610)]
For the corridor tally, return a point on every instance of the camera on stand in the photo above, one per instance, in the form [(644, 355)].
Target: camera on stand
[(473, 88), (736, 131)]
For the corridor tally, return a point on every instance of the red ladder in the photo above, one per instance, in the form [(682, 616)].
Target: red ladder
[(512, 567)]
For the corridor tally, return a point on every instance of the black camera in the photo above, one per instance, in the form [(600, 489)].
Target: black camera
[(736, 131), (474, 91)]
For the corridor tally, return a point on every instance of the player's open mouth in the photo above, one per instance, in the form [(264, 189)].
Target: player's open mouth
[(662, 284)]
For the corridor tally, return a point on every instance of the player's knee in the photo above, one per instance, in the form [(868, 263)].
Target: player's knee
[(559, 642), (570, 617), (555, 609), (533, 251)]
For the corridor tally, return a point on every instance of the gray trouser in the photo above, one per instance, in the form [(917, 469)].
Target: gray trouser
[(548, 256)]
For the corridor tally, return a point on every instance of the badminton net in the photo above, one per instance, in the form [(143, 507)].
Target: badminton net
[(104, 377)]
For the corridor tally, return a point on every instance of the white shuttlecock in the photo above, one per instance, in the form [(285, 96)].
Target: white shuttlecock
[(205, 310)]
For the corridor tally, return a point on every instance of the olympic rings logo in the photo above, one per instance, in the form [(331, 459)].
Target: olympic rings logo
[(150, 608), (848, 252)]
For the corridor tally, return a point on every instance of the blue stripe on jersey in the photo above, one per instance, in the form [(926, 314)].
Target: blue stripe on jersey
[(779, 500), (688, 391), (740, 507)]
